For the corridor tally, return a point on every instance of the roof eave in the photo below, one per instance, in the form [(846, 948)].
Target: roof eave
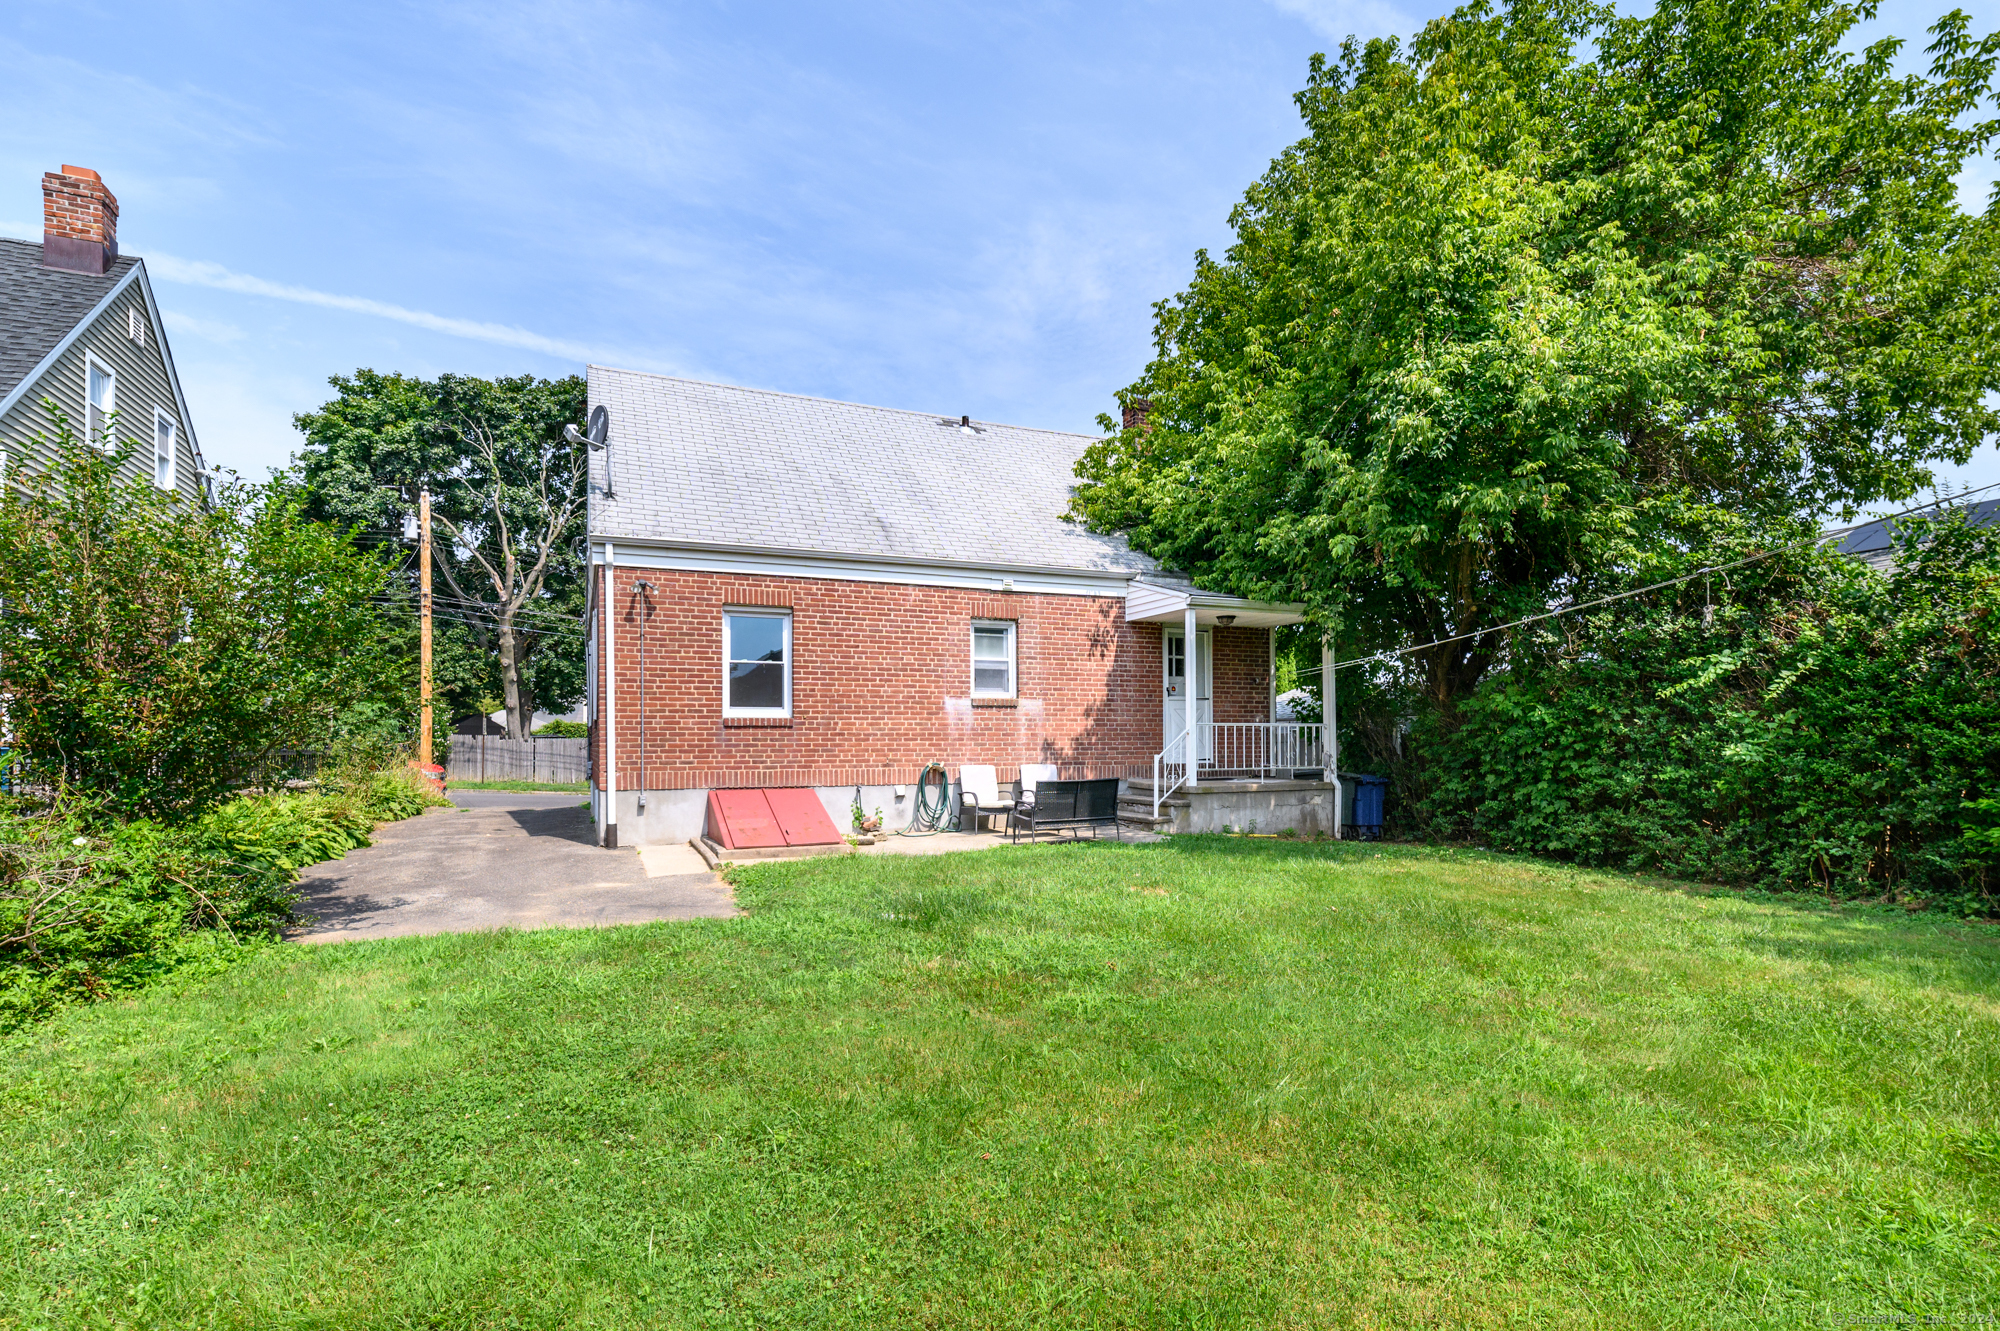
[(597, 539)]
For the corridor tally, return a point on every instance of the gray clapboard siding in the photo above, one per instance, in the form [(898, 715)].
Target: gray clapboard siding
[(143, 382)]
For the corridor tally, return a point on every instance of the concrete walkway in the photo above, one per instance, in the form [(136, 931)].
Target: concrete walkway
[(500, 860)]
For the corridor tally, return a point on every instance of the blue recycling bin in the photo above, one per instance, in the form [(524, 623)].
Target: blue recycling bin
[(1371, 798)]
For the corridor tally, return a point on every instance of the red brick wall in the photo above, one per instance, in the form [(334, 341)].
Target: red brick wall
[(1240, 684), (881, 684)]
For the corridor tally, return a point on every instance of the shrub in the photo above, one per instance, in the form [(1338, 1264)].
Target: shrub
[(153, 651), (564, 730), (90, 906), (1831, 729)]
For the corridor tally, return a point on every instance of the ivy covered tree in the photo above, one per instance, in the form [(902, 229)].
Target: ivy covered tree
[(507, 498), (155, 652), (1541, 298)]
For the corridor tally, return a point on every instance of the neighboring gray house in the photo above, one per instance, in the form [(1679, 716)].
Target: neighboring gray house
[(79, 327), (1874, 543)]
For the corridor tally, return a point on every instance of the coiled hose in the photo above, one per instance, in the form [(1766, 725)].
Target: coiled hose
[(931, 816)]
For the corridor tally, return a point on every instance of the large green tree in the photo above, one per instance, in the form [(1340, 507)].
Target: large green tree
[(155, 652), (1543, 295), (508, 501)]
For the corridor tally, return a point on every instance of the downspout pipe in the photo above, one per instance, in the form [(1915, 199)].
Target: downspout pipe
[(610, 708)]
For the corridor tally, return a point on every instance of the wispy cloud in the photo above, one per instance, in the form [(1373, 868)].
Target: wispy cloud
[(201, 273), (1338, 19), (215, 330)]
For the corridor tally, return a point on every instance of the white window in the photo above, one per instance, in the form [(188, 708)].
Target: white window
[(164, 429), (100, 399), (992, 659), (756, 663)]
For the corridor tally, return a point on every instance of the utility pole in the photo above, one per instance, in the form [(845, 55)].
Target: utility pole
[(424, 636)]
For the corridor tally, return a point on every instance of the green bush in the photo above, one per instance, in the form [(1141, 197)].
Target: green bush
[(90, 906), (564, 730), (1825, 728), (154, 653)]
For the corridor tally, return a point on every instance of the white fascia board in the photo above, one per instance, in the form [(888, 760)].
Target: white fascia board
[(1150, 602), (861, 568), (167, 359), (47, 363), (1220, 601)]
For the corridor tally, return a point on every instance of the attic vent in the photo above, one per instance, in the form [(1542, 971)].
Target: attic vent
[(135, 327)]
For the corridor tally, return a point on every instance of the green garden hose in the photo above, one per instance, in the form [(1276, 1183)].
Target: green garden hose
[(931, 816)]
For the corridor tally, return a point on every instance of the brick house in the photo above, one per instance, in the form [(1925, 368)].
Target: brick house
[(79, 327), (795, 592)]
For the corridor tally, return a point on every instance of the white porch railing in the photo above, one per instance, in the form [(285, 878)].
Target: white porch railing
[(1170, 770), (1240, 748), (1263, 747)]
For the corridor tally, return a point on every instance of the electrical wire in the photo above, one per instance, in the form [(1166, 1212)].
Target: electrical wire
[(1703, 573)]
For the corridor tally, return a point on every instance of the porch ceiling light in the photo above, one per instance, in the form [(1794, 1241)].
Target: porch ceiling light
[(1225, 620)]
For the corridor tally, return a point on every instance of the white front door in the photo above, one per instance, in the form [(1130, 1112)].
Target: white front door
[(1173, 720)]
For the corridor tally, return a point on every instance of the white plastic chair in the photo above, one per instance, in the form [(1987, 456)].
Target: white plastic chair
[(979, 786), (1031, 773)]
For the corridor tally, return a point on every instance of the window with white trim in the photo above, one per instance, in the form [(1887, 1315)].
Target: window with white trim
[(756, 663), (165, 428), (100, 399), (992, 658)]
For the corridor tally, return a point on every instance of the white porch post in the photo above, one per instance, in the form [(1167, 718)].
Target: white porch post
[(1270, 700), (1329, 693), (1191, 668)]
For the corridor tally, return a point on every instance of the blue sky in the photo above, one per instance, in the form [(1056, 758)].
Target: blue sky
[(961, 208)]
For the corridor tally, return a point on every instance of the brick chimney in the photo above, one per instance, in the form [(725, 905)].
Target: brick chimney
[(79, 221), (1136, 412)]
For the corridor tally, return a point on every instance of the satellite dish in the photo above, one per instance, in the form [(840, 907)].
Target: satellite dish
[(600, 424)]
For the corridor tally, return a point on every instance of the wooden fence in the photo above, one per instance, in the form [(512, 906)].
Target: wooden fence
[(493, 758)]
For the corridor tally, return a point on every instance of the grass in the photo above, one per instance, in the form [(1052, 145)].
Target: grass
[(571, 787), (1211, 1083)]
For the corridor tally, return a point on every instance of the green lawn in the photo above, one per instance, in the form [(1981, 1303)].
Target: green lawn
[(576, 787), (1211, 1083)]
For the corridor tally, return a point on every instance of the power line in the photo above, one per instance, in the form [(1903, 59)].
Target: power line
[(488, 610), (451, 617), (1707, 571)]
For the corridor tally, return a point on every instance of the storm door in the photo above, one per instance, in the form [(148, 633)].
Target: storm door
[(1174, 714)]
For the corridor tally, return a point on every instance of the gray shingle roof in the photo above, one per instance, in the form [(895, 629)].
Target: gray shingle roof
[(1874, 544), (707, 464), (38, 306)]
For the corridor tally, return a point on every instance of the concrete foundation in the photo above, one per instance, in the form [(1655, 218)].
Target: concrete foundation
[(1305, 807), (681, 815)]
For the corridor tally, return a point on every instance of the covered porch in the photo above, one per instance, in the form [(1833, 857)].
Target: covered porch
[(1248, 766)]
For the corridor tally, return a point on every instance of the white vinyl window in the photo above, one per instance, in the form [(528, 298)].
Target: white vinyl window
[(992, 659), (164, 431), (100, 399), (756, 663)]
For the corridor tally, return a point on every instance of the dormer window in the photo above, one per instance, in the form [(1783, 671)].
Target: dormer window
[(100, 399)]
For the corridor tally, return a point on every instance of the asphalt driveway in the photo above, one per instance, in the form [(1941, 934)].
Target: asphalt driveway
[(500, 860)]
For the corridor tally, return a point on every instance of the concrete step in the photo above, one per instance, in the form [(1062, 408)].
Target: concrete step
[(1146, 804)]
